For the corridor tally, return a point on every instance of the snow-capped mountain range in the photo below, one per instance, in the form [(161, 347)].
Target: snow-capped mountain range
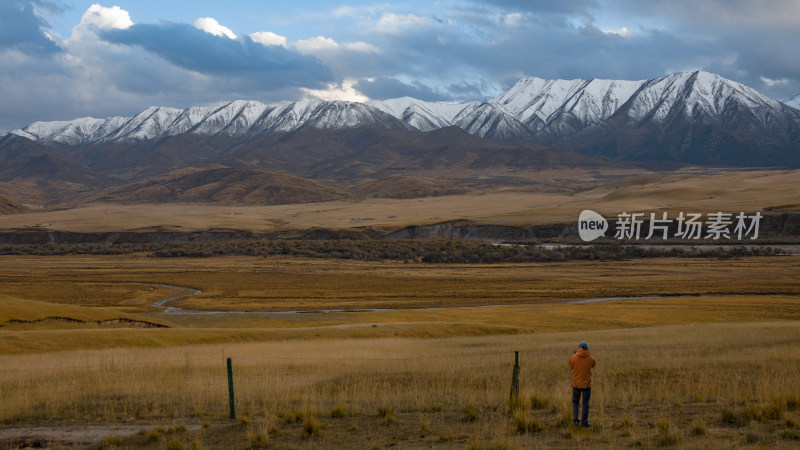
[(533, 108)]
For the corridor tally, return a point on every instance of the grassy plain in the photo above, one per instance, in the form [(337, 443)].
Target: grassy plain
[(712, 369), (700, 385), (549, 196), (431, 366)]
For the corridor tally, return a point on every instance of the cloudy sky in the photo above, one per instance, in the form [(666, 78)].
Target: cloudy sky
[(63, 59)]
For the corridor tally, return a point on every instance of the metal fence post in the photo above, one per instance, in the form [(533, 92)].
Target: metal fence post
[(231, 397), (515, 378)]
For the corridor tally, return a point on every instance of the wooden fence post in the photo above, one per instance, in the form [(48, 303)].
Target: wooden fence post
[(515, 378), (231, 398)]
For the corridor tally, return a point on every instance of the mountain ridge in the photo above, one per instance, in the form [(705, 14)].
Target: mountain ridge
[(129, 170), (8, 206), (220, 184), (685, 114), (535, 103)]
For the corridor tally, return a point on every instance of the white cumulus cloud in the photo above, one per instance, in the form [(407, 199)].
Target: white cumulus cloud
[(315, 44), (211, 26), (344, 91), (391, 23), (268, 38), (361, 47), (106, 18), (320, 45)]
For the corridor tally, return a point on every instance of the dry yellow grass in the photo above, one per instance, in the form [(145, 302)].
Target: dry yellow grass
[(280, 284), (17, 313), (689, 190), (667, 366), (535, 295), (703, 371), (508, 320), (729, 377)]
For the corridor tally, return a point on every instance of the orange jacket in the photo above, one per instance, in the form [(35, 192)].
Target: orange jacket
[(581, 364)]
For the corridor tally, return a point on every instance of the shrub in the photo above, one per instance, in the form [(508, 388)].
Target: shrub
[(338, 411), (429, 251), (493, 446), (626, 425), (432, 408), (539, 402), (155, 435), (564, 421), (699, 427), (728, 416), (387, 412), (790, 435), (667, 436), (740, 417), (176, 445), (773, 411), (523, 424), (518, 404), (471, 413), (112, 442), (259, 440), (752, 437), (424, 426), (311, 427)]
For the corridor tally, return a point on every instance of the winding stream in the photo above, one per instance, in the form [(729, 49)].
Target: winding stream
[(192, 292)]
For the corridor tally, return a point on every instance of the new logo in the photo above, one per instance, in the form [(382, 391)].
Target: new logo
[(591, 225)]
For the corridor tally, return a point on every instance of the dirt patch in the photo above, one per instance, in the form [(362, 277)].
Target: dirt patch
[(65, 435), (120, 321)]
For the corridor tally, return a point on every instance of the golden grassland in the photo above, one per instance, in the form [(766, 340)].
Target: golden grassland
[(533, 297), (699, 385), (711, 369), (16, 312), (133, 282), (548, 200)]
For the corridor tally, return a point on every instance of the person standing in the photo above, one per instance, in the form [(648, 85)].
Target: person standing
[(582, 362)]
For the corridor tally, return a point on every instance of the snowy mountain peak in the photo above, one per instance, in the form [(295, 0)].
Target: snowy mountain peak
[(422, 115), (235, 118), (547, 104), (701, 97), (491, 120), (545, 109), (148, 124), (73, 132)]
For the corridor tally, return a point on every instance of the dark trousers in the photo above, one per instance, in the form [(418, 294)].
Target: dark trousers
[(577, 393)]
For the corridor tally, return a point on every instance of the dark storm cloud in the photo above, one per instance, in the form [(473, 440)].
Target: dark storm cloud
[(769, 63), (489, 44), (456, 51), (454, 62), (588, 52), (758, 37), (193, 49), (715, 13), (22, 29)]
